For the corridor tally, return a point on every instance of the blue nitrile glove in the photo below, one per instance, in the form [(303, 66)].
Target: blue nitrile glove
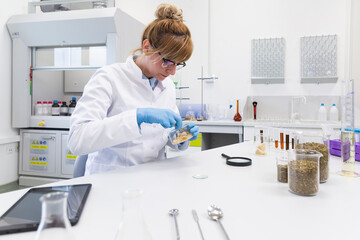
[(165, 117), (194, 130)]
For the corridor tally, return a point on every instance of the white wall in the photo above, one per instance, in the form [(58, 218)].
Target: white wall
[(235, 23), (196, 18)]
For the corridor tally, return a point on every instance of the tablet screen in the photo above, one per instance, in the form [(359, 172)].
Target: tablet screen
[(25, 214)]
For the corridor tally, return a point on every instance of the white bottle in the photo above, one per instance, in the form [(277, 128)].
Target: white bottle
[(45, 109), (334, 113), (38, 108), (322, 113), (49, 108)]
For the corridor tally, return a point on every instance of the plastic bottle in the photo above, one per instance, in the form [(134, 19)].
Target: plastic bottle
[(64, 109), (38, 108), (49, 107), (72, 105), (334, 113), (55, 109), (322, 113), (45, 109)]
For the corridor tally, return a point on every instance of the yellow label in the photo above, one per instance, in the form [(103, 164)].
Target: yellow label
[(39, 146), (38, 163), (71, 156)]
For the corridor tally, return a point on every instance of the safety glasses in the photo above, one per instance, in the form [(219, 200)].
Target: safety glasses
[(169, 64)]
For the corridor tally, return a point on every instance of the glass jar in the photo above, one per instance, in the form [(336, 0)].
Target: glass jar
[(303, 176), (317, 143)]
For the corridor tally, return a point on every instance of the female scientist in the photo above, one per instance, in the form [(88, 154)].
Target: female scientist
[(128, 109)]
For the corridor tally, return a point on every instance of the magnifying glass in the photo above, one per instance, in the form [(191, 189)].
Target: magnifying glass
[(237, 161)]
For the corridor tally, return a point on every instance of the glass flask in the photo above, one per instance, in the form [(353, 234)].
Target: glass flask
[(54, 223), (303, 171), (237, 117), (316, 142), (133, 225)]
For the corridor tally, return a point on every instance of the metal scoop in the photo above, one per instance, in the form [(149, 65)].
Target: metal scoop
[(215, 213), (174, 212)]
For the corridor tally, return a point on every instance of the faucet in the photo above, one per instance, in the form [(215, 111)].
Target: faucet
[(296, 115)]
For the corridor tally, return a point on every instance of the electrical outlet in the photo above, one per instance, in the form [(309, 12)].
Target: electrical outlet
[(10, 149)]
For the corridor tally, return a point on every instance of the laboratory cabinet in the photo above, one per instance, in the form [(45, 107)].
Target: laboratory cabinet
[(44, 153)]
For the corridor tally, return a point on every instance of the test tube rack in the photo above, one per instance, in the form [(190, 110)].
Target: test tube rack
[(267, 60), (319, 59)]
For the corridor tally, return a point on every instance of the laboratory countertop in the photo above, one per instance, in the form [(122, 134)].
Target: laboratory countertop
[(252, 123), (289, 124), (255, 205)]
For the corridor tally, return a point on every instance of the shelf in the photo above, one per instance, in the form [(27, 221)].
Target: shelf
[(182, 98)]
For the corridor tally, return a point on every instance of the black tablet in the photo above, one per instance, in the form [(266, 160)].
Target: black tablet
[(25, 214)]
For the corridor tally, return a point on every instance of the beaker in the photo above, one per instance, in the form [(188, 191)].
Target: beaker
[(132, 225), (282, 166), (303, 175), (54, 223), (313, 141)]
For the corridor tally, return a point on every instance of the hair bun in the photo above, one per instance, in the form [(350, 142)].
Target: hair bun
[(169, 11)]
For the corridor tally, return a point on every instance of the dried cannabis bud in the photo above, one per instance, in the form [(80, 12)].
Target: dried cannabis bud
[(324, 160)]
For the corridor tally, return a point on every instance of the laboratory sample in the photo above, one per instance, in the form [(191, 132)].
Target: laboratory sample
[(180, 135), (72, 105), (282, 141), (64, 109), (282, 166), (54, 223), (287, 137), (45, 108), (39, 108), (55, 109), (303, 175), (237, 117), (312, 141)]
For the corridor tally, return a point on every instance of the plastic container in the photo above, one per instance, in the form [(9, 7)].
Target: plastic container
[(38, 108), (177, 136), (49, 107), (334, 114), (312, 141), (322, 116), (304, 171)]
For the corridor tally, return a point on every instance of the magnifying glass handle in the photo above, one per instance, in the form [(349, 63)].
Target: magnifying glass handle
[(225, 156)]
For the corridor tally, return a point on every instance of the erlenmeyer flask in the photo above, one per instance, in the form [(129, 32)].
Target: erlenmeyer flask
[(237, 117), (132, 225), (54, 222)]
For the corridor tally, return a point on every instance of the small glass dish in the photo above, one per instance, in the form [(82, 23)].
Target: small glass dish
[(180, 135)]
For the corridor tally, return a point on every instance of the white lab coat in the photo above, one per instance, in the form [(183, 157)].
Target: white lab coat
[(104, 123)]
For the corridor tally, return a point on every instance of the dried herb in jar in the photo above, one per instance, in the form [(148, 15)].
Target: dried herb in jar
[(303, 177), (282, 173), (324, 160)]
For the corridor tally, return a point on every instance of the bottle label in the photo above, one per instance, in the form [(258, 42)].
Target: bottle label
[(64, 111), (71, 110), (55, 111)]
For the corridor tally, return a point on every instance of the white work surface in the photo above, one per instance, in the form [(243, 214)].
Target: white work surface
[(255, 205)]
